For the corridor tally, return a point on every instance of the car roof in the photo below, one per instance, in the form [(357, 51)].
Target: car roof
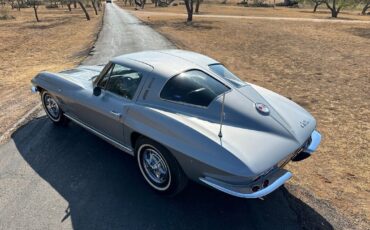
[(167, 63)]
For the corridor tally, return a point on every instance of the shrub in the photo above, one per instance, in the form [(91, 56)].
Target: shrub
[(51, 6), (255, 3), (290, 3)]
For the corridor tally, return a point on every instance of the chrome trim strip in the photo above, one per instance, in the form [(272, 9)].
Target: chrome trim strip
[(315, 141), (261, 193), (113, 142), (34, 89)]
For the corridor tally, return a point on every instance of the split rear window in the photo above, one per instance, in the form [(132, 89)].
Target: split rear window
[(193, 87), (222, 71)]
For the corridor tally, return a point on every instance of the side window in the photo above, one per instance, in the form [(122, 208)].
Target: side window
[(123, 81), (193, 87), (103, 82)]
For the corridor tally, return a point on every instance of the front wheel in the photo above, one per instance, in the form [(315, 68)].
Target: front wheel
[(159, 168), (52, 109)]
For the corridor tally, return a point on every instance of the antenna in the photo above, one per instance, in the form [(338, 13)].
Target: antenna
[(222, 115)]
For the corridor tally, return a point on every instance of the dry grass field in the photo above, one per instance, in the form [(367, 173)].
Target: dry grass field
[(61, 40), (233, 9), (322, 66)]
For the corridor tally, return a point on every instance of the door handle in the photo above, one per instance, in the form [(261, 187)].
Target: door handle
[(118, 115)]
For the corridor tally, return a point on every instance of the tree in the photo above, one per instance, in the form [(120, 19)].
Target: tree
[(99, 4), (11, 2), (93, 5), (69, 5), (366, 7), (317, 4), (35, 5), (84, 9), (197, 6), (189, 4), (140, 3), (335, 6), (19, 5)]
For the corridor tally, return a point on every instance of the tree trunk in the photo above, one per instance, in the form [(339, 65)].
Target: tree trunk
[(366, 7), (99, 5), (19, 5), (35, 9), (334, 14), (143, 3), (189, 9), (69, 6), (137, 3), (315, 8), (84, 9), (93, 4), (333, 9), (74, 4), (197, 7)]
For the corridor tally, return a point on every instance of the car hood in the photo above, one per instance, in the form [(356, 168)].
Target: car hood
[(82, 75), (259, 141)]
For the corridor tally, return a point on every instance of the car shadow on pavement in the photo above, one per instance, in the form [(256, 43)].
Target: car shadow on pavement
[(105, 190)]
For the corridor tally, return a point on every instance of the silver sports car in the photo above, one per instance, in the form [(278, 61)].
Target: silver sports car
[(183, 115)]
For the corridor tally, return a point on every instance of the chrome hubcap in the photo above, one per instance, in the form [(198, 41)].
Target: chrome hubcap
[(154, 165), (51, 106)]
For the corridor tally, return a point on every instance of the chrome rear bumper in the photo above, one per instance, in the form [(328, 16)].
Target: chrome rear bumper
[(315, 141), (236, 191), (278, 180)]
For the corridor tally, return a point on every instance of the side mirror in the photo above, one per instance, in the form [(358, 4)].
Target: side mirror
[(97, 91)]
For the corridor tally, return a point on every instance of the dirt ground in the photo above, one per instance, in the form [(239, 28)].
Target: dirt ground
[(61, 40), (323, 67)]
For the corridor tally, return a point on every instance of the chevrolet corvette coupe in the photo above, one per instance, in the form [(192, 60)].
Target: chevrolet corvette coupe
[(183, 115)]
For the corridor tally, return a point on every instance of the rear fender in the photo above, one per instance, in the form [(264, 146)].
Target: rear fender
[(190, 147)]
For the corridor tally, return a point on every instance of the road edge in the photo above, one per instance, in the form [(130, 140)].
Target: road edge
[(32, 113)]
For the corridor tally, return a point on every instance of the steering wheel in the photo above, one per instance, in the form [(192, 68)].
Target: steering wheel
[(125, 83)]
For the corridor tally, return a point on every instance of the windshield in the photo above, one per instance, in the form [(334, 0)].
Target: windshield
[(227, 75)]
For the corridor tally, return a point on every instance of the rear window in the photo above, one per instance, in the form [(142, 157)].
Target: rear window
[(222, 71), (193, 87)]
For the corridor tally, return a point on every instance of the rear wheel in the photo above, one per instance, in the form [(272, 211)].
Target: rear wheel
[(159, 168), (52, 109)]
